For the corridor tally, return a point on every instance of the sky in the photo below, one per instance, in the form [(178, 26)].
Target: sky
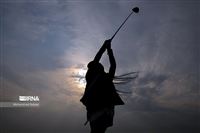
[(46, 43)]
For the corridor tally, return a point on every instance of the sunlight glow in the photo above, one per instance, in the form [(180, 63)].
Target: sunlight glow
[(80, 77)]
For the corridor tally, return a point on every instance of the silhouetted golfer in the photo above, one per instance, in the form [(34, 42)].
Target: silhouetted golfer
[(100, 95)]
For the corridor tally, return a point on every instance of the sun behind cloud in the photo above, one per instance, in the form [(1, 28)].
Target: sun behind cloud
[(81, 79), (77, 78)]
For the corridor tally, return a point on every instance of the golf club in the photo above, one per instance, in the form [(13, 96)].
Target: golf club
[(134, 10)]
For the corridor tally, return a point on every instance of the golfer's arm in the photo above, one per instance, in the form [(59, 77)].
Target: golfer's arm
[(100, 53), (112, 63)]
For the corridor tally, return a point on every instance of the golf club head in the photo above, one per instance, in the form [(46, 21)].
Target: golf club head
[(135, 9)]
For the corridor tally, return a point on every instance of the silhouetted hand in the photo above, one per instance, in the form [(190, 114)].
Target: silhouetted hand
[(107, 43)]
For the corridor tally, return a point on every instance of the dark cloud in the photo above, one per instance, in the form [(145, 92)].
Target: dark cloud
[(144, 90)]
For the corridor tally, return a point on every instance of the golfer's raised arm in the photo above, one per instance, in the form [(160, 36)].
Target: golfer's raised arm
[(100, 52), (112, 63)]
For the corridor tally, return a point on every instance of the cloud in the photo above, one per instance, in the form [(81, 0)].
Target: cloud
[(38, 28), (45, 43)]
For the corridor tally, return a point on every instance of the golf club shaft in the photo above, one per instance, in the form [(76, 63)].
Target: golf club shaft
[(121, 25)]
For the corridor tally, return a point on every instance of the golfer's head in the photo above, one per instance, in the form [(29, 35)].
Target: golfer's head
[(96, 66)]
